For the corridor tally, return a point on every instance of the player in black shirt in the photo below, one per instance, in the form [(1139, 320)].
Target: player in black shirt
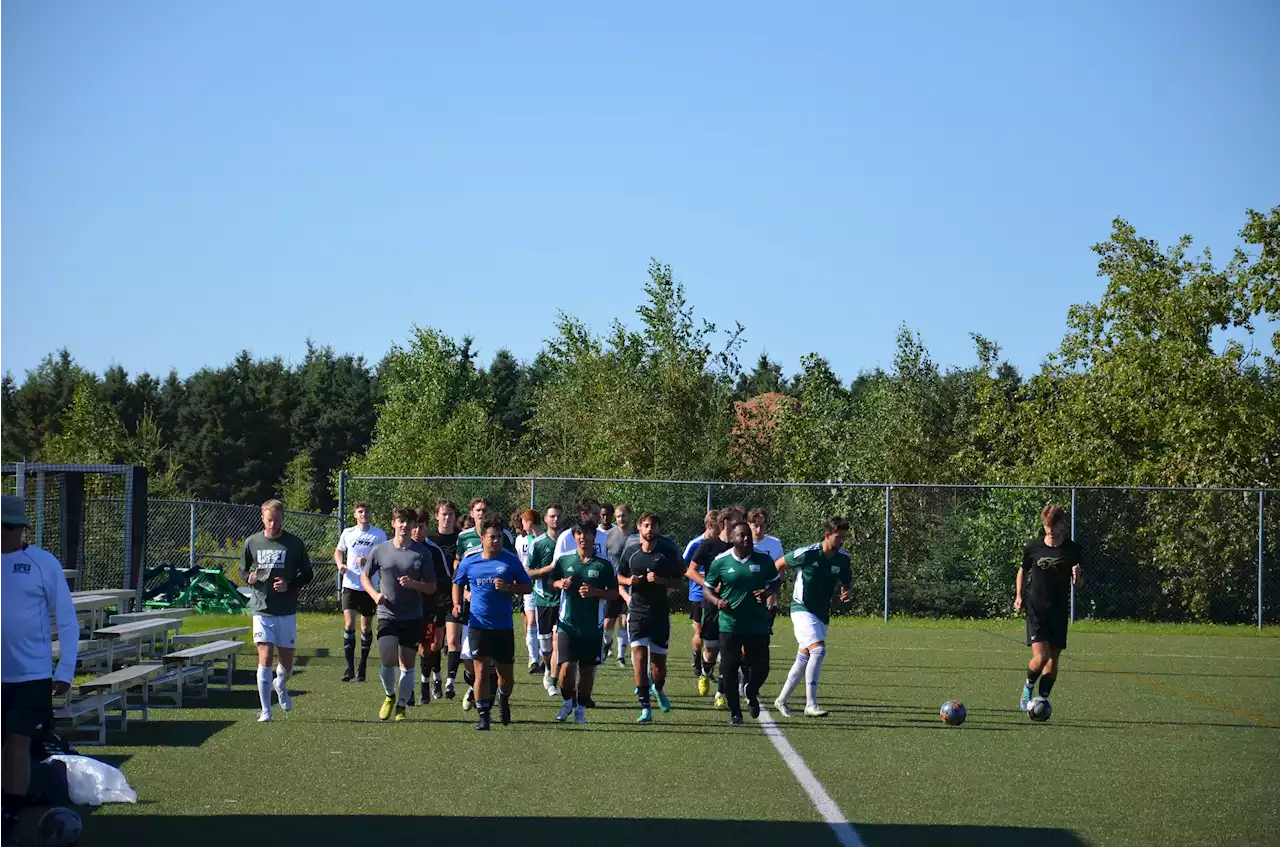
[(445, 537), (706, 553), (1049, 569), (433, 608), (648, 568)]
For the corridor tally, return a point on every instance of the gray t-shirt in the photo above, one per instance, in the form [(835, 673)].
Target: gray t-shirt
[(402, 604), (615, 542)]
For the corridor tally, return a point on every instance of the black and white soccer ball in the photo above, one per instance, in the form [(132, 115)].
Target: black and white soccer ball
[(1039, 709), (52, 826)]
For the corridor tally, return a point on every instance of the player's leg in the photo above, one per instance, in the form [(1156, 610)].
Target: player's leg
[(567, 673), (367, 611), (389, 670), (731, 659), (695, 618), (437, 648), (659, 639), (27, 713), (587, 658), (479, 666), (755, 654), (1050, 673), (610, 625), (531, 633), (1039, 658), (711, 649), (348, 634), (624, 636), (453, 639), (407, 653), (640, 666), (800, 623), (263, 639), (546, 647)]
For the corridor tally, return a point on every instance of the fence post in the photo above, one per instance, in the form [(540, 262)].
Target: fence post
[(39, 508), (342, 501), (191, 559), (1261, 496), (888, 528), (533, 492), (20, 483), (1073, 538), (708, 497)]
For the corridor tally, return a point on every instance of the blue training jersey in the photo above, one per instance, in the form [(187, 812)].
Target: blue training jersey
[(695, 590), (490, 608)]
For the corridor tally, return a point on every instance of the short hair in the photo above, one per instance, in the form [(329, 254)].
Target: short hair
[(446, 504), (467, 521), (730, 515), (711, 520), (490, 520), (758, 512), (423, 514), (555, 506), (739, 522), (835, 524), (363, 504), (588, 504), (531, 515), (620, 507), (606, 508), (649, 516), (404, 513), (273, 506), (1051, 514), (475, 501), (581, 527)]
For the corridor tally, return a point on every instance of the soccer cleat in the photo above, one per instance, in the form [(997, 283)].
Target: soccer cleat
[(504, 710), (388, 703), (1027, 694), (483, 724), (735, 719), (580, 714), (436, 691), (587, 702), (720, 702), (646, 716), (622, 663), (533, 668), (704, 685), (566, 711), (401, 714), (448, 690), (664, 702), (813, 710), (783, 708), (265, 717), (469, 700), (349, 674), (753, 706), (282, 692)]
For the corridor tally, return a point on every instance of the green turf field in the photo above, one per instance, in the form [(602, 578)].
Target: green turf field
[(1159, 734)]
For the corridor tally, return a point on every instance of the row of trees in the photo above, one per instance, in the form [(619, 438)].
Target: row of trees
[(1161, 383)]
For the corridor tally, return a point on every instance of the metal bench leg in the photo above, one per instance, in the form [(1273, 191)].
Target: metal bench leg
[(182, 683), (204, 680), (146, 700), (102, 718), (231, 670)]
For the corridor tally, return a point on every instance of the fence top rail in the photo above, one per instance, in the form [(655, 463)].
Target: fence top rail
[(832, 484), (34, 467)]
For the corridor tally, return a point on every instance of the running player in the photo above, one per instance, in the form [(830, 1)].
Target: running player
[(819, 568), (469, 542), (546, 596), (405, 576), (711, 523), (706, 553), (1052, 566), (446, 538), (760, 539), (738, 582), (650, 567), (588, 510), (529, 520), (276, 566), (352, 551), (587, 582), (606, 519), (433, 611), (493, 574), (615, 614)]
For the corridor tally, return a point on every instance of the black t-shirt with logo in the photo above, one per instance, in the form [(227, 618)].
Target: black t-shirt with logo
[(648, 599), (1048, 570), (704, 556)]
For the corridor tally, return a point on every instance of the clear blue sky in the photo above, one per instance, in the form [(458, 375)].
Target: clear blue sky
[(185, 180)]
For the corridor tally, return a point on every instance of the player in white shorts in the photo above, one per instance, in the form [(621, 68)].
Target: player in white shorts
[(529, 521)]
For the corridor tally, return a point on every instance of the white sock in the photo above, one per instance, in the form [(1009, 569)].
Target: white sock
[(811, 674), (388, 675), (264, 687), (608, 640), (544, 647), (406, 686), (546, 675), (531, 641), (794, 676), (435, 675), (624, 641), (282, 675)]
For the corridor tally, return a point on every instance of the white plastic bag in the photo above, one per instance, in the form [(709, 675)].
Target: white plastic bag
[(92, 783)]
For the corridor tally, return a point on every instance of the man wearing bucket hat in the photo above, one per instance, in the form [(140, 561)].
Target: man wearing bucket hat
[(32, 591)]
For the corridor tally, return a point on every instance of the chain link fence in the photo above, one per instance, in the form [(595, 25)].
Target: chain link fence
[(952, 550)]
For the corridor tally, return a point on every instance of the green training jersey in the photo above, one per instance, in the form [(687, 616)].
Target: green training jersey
[(469, 542), (816, 578), (736, 582), (583, 617), (541, 554)]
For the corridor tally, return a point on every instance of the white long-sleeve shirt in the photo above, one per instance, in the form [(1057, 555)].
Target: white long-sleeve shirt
[(31, 588)]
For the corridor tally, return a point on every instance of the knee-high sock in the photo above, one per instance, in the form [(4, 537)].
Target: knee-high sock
[(424, 663), (811, 674), (544, 647), (405, 687), (435, 664), (264, 686), (282, 675), (531, 642), (349, 647), (455, 657), (794, 676), (366, 642), (388, 675), (608, 641), (624, 641)]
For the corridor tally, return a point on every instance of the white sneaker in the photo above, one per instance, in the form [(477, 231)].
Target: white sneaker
[(813, 710), (783, 708), (469, 700), (580, 714), (565, 711), (282, 691), (265, 717)]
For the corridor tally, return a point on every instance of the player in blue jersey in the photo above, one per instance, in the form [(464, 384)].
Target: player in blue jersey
[(492, 575), (712, 528)]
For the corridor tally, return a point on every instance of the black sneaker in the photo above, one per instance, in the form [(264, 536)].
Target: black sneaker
[(534, 668), (449, 693), (425, 696), (736, 719), (436, 691), (360, 677), (622, 662), (504, 710), (753, 706), (483, 724), (349, 674), (587, 702)]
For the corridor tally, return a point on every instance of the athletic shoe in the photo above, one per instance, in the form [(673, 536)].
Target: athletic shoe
[(265, 717), (411, 701), (753, 706), (533, 668), (349, 674), (436, 692), (587, 702), (388, 703), (400, 714), (425, 697), (1027, 694), (448, 690), (504, 710), (664, 702), (783, 708), (720, 702), (704, 686), (483, 724), (580, 714), (360, 674), (622, 663), (813, 710), (469, 700), (735, 719), (565, 712), (646, 716), (282, 691)]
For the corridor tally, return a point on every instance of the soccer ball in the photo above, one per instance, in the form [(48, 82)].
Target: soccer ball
[(55, 826), (953, 712), (1039, 709)]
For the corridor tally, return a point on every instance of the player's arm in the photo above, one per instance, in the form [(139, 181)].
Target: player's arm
[(303, 573), (64, 612), (1017, 596), (693, 573), (540, 563), (367, 573), (339, 554), (248, 567), (709, 592), (459, 588), (422, 586), (1077, 575), (608, 589)]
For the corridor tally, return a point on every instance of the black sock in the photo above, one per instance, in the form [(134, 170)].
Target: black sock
[(697, 662), (642, 694), (1032, 676), (709, 668), (366, 642), (349, 646), (424, 665), (435, 662), (483, 706), (455, 657), (1046, 684), (658, 685), (469, 675)]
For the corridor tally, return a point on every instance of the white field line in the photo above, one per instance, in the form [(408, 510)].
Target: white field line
[(1014, 649), (840, 826)]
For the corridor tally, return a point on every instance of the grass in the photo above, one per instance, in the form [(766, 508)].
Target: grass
[(1158, 734)]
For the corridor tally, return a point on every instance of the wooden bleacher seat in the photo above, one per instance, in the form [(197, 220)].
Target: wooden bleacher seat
[(124, 681), (191, 639), (198, 661), (149, 615), (74, 710)]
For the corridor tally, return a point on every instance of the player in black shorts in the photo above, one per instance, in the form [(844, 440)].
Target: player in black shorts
[(1049, 570), (433, 608), (702, 559), (649, 567), (446, 538)]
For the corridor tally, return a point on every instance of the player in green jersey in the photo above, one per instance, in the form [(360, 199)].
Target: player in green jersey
[(587, 583)]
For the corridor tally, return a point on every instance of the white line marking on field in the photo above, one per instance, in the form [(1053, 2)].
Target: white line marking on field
[(840, 826), (856, 648)]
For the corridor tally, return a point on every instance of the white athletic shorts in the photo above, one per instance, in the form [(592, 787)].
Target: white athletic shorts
[(280, 630), (809, 630), (528, 603), (648, 642), (465, 654)]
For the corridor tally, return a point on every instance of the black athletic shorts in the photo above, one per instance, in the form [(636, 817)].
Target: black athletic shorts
[(358, 600), (547, 618), (496, 644), (615, 608), (656, 630), (408, 633), (710, 623), (27, 707), (466, 613), (695, 611), (584, 651), (1048, 625)]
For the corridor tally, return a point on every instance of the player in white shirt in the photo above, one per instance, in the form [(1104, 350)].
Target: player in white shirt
[(354, 545), (32, 592), (529, 523)]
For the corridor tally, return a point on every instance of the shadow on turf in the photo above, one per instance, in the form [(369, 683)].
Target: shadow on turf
[(164, 734), (217, 830)]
